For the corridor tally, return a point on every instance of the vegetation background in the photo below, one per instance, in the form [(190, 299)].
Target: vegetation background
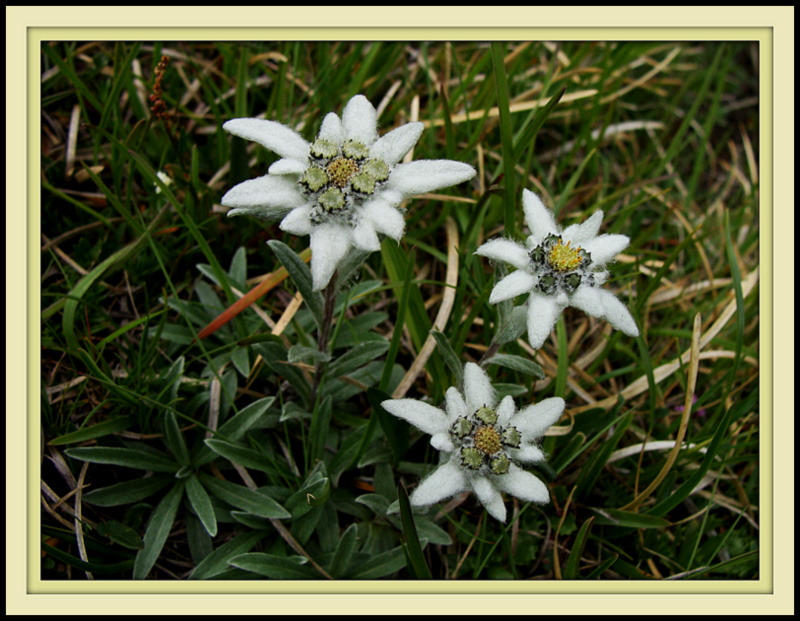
[(173, 452)]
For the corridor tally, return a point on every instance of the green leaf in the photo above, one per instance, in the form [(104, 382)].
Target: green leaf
[(276, 567), (344, 551), (157, 531), (617, 517), (247, 457), (574, 558), (174, 439), (130, 458), (301, 277), (395, 429), (318, 433), (449, 356), (244, 498), (358, 356), (300, 353), (516, 324), (381, 565), (517, 363), (126, 493), (217, 561), (121, 533), (201, 503), (95, 431), (235, 427), (95, 568), (417, 563)]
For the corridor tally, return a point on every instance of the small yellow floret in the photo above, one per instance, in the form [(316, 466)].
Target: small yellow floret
[(487, 440), (563, 258), (341, 170)]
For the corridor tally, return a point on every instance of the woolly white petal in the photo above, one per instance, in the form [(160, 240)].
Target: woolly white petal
[(516, 283), (359, 119), (424, 176), (329, 244), (584, 232), (534, 420), (365, 237), (298, 222), (332, 129), (507, 251), (505, 410), (527, 454), (442, 442), (489, 497), (587, 298), (384, 218), (274, 136), (606, 247), (446, 481), (286, 167), (617, 313), (523, 485), (456, 406), (478, 389), (539, 218), (543, 311), (268, 192), (423, 416), (392, 147)]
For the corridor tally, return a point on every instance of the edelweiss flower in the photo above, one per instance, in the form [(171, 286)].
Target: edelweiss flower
[(559, 269), (344, 188), (480, 441)]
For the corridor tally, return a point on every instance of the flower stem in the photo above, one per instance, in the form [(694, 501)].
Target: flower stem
[(329, 301), (491, 351)]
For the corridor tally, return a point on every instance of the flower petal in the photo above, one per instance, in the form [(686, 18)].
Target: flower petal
[(538, 217), (298, 222), (393, 146), (530, 454), (535, 419), (587, 299), (360, 119), (543, 311), (442, 442), (275, 136), (446, 481), (617, 314), (384, 218), (423, 416), (507, 251), (424, 176), (267, 196), (584, 232), (478, 390), (523, 485), (456, 406), (516, 283), (505, 410), (606, 247), (329, 244), (489, 497), (286, 167), (331, 129), (365, 237)]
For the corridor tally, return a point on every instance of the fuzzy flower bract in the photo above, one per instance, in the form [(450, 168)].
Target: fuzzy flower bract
[(559, 269), (481, 443), (344, 188)]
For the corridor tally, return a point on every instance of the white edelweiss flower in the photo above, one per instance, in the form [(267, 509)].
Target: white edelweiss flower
[(344, 188), (559, 269), (481, 442)]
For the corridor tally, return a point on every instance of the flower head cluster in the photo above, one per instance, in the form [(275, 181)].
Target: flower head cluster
[(481, 441), (344, 188), (559, 269)]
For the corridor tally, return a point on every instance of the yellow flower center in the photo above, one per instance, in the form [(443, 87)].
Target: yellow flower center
[(563, 258), (487, 440), (341, 170)]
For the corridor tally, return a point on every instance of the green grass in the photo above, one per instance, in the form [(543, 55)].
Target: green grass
[(296, 480)]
